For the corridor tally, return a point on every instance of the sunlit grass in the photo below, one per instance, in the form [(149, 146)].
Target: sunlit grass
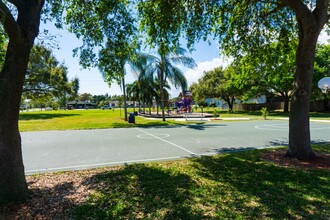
[(228, 186), (98, 119), (81, 119), (256, 115)]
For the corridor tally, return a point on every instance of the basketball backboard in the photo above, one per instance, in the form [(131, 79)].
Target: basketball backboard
[(324, 84)]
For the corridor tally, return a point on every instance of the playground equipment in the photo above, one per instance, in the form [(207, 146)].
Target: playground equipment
[(184, 105)]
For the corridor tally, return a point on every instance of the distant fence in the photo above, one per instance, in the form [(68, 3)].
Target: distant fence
[(315, 106)]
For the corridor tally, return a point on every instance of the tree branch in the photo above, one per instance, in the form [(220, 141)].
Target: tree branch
[(8, 21), (302, 11), (321, 15), (17, 3)]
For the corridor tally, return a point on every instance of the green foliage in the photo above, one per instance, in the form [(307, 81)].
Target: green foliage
[(85, 97), (321, 68), (240, 26), (218, 83), (3, 45), (107, 29), (264, 112), (46, 78), (270, 70), (216, 113)]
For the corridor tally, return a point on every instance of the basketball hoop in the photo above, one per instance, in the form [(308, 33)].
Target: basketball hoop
[(324, 84)]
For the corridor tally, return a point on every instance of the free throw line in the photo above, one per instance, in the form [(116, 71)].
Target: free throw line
[(175, 145)]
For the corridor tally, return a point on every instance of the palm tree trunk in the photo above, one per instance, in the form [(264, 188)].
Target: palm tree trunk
[(161, 77), (124, 91)]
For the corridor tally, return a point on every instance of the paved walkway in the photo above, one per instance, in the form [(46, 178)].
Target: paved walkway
[(80, 149)]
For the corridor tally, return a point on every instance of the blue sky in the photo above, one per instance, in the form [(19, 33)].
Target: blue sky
[(206, 56)]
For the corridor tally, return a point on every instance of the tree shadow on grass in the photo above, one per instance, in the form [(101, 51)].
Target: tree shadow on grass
[(43, 116), (140, 192), (254, 189)]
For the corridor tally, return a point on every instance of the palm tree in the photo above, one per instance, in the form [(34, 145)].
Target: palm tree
[(148, 92), (132, 91), (164, 68)]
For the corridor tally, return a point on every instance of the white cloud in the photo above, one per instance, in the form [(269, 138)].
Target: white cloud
[(193, 75)]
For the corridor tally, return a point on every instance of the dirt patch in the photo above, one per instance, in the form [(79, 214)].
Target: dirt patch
[(53, 195), (321, 161)]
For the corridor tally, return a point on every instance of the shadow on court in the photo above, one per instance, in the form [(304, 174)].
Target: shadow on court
[(232, 149), (199, 126), (278, 143)]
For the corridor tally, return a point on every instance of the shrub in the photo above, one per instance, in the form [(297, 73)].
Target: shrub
[(264, 112)]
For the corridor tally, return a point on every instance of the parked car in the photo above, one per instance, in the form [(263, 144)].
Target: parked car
[(106, 107), (69, 107)]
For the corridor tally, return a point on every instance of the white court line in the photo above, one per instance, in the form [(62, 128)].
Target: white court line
[(175, 145), (102, 164), (274, 127)]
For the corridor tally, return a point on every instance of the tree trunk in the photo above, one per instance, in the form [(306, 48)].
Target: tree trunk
[(162, 101), (125, 98), (310, 23), (139, 105), (299, 127), (13, 185), (286, 99), (22, 33), (230, 102)]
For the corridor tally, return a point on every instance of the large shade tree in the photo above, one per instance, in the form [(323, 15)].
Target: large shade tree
[(218, 83), (243, 26), (21, 27), (46, 77), (99, 23)]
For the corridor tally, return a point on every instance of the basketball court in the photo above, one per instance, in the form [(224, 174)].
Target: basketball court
[(80, 149)]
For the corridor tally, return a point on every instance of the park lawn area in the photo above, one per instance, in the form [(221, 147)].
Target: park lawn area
[(81, 119), (256, 115), (98, 119), (238, 185)]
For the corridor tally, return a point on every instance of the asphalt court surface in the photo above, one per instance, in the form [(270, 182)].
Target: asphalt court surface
[(80, 149)]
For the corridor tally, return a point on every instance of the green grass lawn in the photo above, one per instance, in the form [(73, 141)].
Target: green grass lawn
[(81, 119), (256, 115), (228, 186), (96, 119)]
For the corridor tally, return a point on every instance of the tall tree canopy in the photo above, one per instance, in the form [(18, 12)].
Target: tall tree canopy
[(271, 70), (242, 26), (218, 83), (46, 77)]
